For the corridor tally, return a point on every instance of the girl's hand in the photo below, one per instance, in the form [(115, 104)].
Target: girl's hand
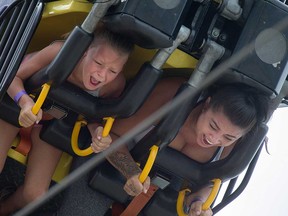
[(26, 117), (134, 187), (196, 210), (100, 143)]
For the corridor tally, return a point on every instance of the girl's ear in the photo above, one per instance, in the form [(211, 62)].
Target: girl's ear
[(85, 54), (206, 104)]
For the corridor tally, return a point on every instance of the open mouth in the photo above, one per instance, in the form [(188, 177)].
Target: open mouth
[(94, 81), (206, 141)]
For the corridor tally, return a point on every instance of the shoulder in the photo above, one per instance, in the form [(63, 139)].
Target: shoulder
[(178, 143), (226, 151)]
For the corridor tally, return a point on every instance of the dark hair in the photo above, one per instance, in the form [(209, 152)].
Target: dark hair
[(244, 105), (118, 41)]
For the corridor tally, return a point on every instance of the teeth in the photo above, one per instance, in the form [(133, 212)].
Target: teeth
[(209, 141)]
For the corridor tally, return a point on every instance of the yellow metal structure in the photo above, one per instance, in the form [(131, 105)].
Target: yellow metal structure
[(180, 202), (74, 140), (108, 126), (58, 19), (212, 196), (62, 168), (150, 161), (76, 131), (41, 98)]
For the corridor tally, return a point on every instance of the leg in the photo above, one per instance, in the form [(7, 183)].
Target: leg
[(43, 159), (8, 133)]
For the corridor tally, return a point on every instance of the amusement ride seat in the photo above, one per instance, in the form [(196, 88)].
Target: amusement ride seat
[(199, 39)]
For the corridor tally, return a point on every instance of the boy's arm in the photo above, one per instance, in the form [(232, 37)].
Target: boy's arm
[(16, 89), (32, 65)]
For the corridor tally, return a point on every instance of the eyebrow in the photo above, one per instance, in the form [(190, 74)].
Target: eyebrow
[(218, 128)]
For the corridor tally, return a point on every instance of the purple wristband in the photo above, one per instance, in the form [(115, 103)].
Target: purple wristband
[(19, 95), (187, 208)]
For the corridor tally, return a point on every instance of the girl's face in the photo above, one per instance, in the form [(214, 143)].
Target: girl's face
[(215, 129), (101, 65)]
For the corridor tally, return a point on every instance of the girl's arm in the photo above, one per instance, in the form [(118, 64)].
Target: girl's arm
[(194, 202)]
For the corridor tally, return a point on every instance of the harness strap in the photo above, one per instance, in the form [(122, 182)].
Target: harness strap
[(138, 203), (24, 145)]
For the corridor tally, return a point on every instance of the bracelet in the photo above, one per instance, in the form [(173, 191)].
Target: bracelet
[(196, 199), (19, 95), (187, 208)]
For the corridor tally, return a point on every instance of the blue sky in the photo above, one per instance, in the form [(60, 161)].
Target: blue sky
[(267, 192)]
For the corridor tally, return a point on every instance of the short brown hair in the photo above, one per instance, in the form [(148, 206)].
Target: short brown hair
[(118, 41)]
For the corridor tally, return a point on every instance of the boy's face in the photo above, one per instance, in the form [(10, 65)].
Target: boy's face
[(101, 65)]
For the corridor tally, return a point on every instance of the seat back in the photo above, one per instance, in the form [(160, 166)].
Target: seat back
[(18, 23)]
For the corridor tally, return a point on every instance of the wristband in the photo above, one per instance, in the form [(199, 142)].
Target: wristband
[(19, 95), (196, 199), (187, 208)]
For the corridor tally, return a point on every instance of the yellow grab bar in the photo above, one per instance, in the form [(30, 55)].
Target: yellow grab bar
[(206, 205), (43, 94), (213, 194), (76, 131), (74, 140), (180, 202), (148, 166), (108, 126)]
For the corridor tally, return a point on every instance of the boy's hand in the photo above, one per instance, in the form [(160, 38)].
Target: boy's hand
[(26, 117), (100, 143), (134, 187)]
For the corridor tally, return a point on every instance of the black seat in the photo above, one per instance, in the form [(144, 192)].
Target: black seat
[(18, 23)]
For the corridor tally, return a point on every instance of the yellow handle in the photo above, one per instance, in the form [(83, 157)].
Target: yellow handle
[(206, 205), (76, 131), (108, 126), (43, 94), (148, 166), (74, 140), (213, 194), (180, 202)]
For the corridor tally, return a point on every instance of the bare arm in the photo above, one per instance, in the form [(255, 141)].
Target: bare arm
[(28, 68), (32, 65), (122, 159), (124, 163)]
